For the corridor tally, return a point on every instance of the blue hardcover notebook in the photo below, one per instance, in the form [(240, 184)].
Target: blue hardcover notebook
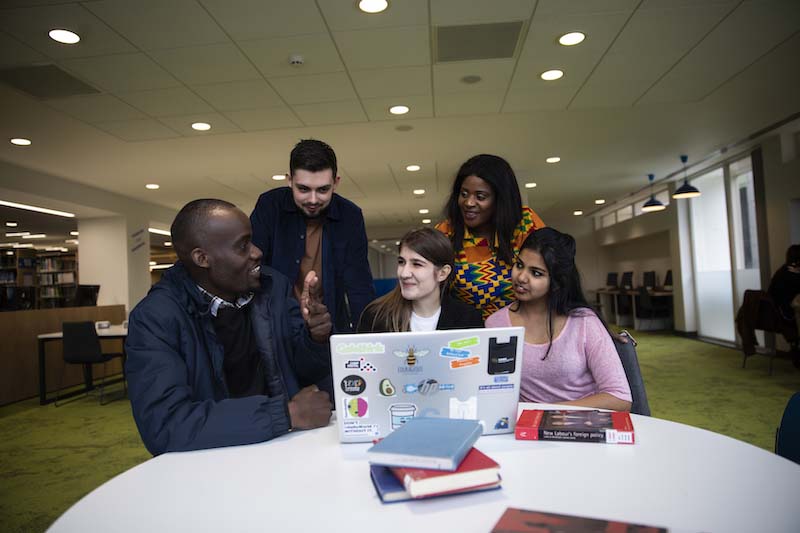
[(434, 443)]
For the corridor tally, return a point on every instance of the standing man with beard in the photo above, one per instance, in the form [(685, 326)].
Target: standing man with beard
[(308, 227)]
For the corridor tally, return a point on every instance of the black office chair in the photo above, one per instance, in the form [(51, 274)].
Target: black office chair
[(630, 363), (787, 438), (82, 347), (649, 307)]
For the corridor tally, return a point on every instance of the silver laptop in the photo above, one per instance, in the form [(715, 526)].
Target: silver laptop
[(381, 380)]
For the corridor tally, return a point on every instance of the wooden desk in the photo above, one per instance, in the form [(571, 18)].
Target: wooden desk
[(116, 331)]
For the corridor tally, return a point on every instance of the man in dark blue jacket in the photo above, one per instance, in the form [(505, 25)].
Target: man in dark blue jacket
[(217, 349), (306, 227)]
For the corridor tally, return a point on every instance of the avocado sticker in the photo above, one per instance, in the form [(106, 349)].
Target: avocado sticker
[(386, 388)]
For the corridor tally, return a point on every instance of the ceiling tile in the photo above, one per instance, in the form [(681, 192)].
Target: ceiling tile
[(389, 47), (167, 102), (206, 64), (402, 81), (331, 113), (495, 74), (253, 19), (237, 95), (96, 108), (119, 73), (472, 103), (271, 56), (538, 99), (31, 26), (609, 93), (137, 130), (13, 53), (270, 118), (316, 88), (419, 107), (585, 7), (154, 24), (458, 12), (403, 13), (183, 124)]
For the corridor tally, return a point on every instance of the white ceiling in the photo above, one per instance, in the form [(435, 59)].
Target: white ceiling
[(654, 79)]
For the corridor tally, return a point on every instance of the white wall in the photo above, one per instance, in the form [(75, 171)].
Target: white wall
[(782, 188), (103, 258)]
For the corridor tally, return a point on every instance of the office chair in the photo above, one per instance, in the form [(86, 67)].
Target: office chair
[(759, 312), (82, 347), (787, 437), (650, 307), (630, 363)]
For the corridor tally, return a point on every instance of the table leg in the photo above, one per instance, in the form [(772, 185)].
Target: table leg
[(42, 378)]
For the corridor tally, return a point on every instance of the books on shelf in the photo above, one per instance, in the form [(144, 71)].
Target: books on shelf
[(390, 489), (610, 427), (434, 443), (476, 471), (516, 520)]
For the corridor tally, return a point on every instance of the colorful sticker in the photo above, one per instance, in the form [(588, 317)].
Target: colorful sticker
[(357, 428), (466, 409), (496, 387), (452, 352), (501, 379), (360, 364), (411, 355), (502, 423), (360, 348), (463, 363), (400, 413), (353, 385), (386, 388), (356, 407), (427, 387), (464, 343)]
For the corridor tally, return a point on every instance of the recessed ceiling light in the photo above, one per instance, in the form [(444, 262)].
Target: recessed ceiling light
[(383, 246), (159, 231), (424, 211), (18, 234), (34, 236), (426, 221), (413, 168), (279, 177), (152, 186), (167, 243), (12, 224), (20, 141), (551, 75), (471, 79), (398, 110), (419, 191), (9, 252), (26, 245), (152, 263), (71, 241), (572, 38), (404, 127), (201, 126), (374, 241), (577, 212), (397, 243), (530, 185), (37, 209), (599, 201), (73, 233), (554, 159), (373, 6), (64, 36)]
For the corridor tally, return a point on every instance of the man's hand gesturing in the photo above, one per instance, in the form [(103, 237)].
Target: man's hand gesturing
[(316, 315)]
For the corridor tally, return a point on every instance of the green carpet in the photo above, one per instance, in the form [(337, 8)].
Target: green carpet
[(50, 457)]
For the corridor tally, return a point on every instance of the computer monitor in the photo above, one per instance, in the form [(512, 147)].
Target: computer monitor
[(611, 279), (86, 295), (668, 280), (649, 279), (627, 280)]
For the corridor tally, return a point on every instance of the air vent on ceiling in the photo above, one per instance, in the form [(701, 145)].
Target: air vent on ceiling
[(477, 41), (45, 81)]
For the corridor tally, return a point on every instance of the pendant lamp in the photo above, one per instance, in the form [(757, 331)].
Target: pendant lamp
[(653, 204), (685, 190)]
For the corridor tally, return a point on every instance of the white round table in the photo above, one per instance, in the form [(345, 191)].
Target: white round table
[(675, 476)]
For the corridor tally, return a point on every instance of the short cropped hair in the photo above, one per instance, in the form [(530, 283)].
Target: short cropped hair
[(189, 225), (793, 255), (312, 155)]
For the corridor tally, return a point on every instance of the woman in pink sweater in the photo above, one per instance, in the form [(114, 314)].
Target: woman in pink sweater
[(569, 357)]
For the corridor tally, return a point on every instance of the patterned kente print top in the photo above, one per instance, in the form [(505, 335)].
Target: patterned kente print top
[(481, 279)]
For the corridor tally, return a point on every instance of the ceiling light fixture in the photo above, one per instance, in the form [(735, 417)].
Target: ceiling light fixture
[(73, 233), (572, 38), (201, 126), (279, 177), (653, 204), (554, 159), (38, 209), (152, 186), (398, 109), (685, 190), (35, 236), (20, 141), (552, 75), (373, 6), (160, 267), (419, 192), (424, 211), (397, 243), (599, 201), (159, 231), (18, 234), (413, 168), (9, 252), (167, 243), (471, 79), (71, 241), (530, 185), (426, 221), (577, 212), (64, 36), (11, 224), (26, 245), (152, 263)]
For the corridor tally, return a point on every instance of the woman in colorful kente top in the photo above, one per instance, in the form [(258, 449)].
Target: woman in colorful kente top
[(486, 223)]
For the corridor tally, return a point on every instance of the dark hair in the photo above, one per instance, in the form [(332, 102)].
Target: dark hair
[(565, 295), (793, 255), (497, 173), (312, 155), (434, 246), (189, 224)]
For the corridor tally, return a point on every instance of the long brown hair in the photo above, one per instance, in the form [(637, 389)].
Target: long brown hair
[(392, 308)]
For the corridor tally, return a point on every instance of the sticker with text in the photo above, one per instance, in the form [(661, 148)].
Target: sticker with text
[(464, 363), (355, 348), (496, 387), (357, 428), (454, 353), (353, 385), (361, 364), (464, 343)]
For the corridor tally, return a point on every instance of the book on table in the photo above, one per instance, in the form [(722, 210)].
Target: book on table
[(476, 471), (434, 443), (610, 427), (516, 520), (390, 489)]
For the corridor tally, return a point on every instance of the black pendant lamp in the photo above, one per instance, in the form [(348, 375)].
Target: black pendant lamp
[(685, 190), (653, 204)]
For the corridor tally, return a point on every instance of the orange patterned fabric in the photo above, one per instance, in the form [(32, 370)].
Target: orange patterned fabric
[(481, 279)]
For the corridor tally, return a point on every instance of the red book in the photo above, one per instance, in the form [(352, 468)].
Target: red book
[(575, 425), (477, 470), (524, 521)]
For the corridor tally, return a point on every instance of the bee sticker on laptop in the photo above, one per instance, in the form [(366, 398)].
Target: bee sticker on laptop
[(411, 355)]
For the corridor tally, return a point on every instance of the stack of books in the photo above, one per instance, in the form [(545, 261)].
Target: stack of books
[(428, 457), (610, 427)]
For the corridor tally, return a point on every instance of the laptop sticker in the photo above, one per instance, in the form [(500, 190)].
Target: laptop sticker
[(386, 388), (410, 356), (496, 387), (464, 363), (464, 343), (502, 423), (466, 409), (502, 356), (400, 413), (360, 364), (357, 428), (356, 407), (353, 385), (455, 353), (357, 348)]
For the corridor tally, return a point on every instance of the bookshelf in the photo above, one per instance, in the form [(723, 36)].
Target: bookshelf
[(57, 277), (17, 279)]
